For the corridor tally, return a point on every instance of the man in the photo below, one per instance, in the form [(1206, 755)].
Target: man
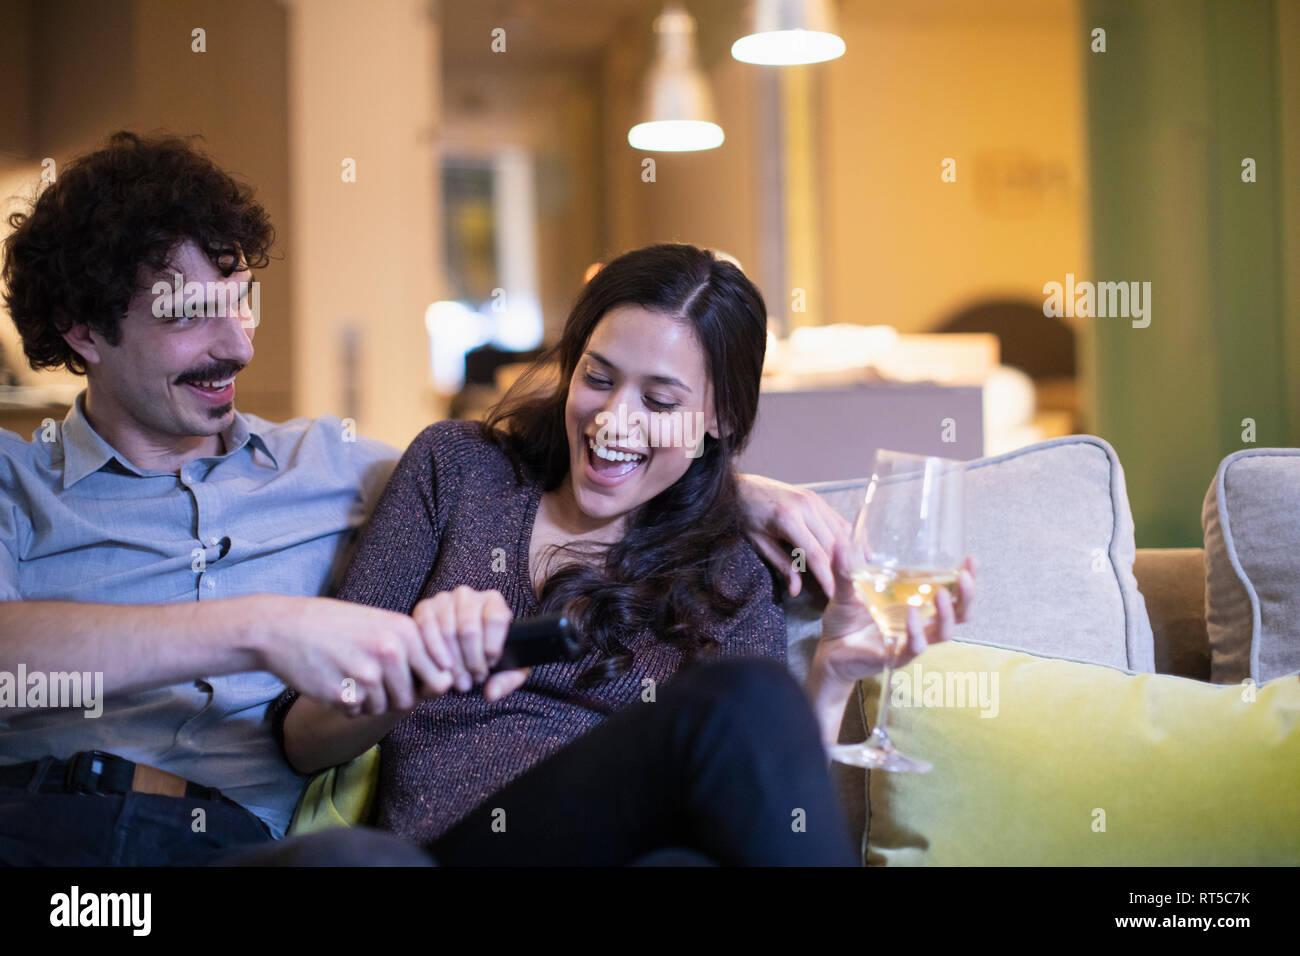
[(176, 547)]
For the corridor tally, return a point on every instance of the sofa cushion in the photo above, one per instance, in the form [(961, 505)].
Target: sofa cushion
[(1251, 521), (341, 796), (1039, 761), (1051, 529)]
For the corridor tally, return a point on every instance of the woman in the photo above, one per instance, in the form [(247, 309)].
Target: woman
[(611, 497)]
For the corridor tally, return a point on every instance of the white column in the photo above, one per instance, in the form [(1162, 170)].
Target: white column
[(365, 255)]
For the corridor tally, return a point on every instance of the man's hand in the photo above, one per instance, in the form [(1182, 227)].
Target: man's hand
[(317, 645), (451, 638), (780, 518)]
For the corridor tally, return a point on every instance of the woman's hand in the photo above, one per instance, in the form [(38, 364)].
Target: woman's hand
[(464, 632), (852, 647), (779, 516)]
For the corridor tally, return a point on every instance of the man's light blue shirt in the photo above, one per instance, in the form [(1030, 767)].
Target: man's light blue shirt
[(274, 514)]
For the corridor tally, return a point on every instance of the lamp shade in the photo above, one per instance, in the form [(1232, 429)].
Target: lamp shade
[(677, 112), (789, 32)]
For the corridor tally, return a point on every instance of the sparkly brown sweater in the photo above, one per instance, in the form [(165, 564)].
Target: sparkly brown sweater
[(452, 514)]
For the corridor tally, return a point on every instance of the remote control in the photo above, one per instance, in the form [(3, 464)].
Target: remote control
[(538, 640)]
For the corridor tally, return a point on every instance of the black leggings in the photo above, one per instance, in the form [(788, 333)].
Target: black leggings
[(727, 762), (726, 766)]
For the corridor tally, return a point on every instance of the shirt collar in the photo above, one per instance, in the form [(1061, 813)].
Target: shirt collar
[(86, 452)]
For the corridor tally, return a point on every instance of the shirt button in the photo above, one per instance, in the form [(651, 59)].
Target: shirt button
[(210, 584), (214, 541)]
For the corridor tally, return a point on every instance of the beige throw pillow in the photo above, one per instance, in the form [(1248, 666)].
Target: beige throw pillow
[(1251, 521)]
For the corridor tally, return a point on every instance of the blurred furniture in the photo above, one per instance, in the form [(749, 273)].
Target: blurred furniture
[(484, 383), (1041, 346), (24, 421), (8, 377), (823, 434), (24, 407), (818, 356), (844, 355)]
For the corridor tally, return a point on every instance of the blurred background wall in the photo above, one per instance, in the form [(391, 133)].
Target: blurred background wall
[(490, 168), (998, 87)]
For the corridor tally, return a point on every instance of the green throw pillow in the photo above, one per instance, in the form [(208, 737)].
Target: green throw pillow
[(341, 796), (1041, 761)]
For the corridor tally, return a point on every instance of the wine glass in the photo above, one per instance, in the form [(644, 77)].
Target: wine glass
[(910, 530)]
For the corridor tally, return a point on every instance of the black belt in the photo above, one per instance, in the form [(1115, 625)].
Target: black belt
[(94, 771)]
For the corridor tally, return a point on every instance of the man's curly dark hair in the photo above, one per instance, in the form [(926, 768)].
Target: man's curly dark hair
[(110, 220)]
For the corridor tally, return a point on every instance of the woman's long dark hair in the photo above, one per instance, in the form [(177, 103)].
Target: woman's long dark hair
[(668, 567)]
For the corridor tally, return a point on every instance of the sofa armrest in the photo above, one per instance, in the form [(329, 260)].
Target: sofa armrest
[(1172, 582)]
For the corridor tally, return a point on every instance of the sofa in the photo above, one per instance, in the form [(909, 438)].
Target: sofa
[(1148, 700), (1172, 580), (1163, 649)]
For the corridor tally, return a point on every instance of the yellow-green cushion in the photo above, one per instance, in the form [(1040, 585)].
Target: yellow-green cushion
[(338, 797), (1084, 765)]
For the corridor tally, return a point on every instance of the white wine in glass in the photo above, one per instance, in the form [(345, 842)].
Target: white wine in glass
[(911, 530), (889, 592)]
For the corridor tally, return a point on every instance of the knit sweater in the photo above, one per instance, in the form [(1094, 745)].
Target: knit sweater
[(454, 513)]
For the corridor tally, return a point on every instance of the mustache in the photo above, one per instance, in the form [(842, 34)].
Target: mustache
[(209, 373)]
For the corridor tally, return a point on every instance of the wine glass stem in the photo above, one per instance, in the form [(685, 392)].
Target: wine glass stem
[(882, 715)]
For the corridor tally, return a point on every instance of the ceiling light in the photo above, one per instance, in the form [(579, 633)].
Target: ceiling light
[(678, 109), (790, 32)]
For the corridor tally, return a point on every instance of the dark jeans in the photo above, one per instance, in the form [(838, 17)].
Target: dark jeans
[(726, 766), (131, 829), (727, 763)]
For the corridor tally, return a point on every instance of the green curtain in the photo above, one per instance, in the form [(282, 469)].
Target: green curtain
[(1185, 91)]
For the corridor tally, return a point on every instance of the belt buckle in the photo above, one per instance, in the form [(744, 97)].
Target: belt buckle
[(84, 771)]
